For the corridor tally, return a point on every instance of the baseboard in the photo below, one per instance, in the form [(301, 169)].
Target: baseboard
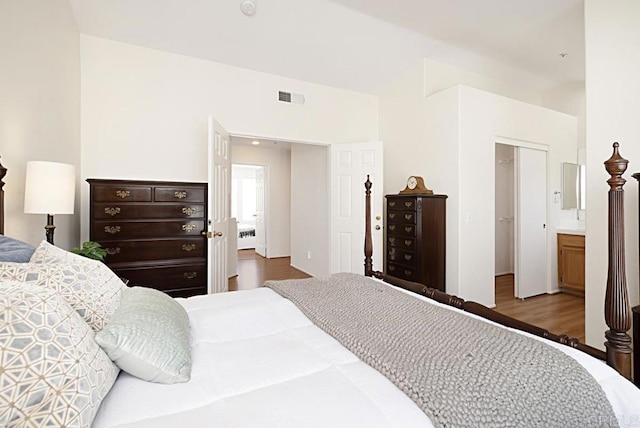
[(554, 291), (503, 273), (301, 270)]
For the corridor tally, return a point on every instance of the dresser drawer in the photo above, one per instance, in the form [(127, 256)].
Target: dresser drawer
[(401, 204), (401, 229), (404, 257), (115, 230), (179, 194), (166, 277), (125, 193), (130, 251), (147, 210), (404, 242), (402, 217), (404, 272)]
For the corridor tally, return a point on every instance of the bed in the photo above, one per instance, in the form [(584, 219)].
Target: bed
[(274, 357)]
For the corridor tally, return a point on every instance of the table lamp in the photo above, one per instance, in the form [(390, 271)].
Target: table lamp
[(50, 189)]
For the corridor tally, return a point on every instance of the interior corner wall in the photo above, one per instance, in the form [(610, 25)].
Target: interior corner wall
[(439, 76), (144, 112), (612, 37), (449, 139), (278, 193), (309, 213), (39, 107)]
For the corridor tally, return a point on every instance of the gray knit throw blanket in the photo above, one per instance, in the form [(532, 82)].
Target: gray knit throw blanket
[(462, 372)]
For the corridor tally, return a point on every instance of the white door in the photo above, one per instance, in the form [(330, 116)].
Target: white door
[(261, 232), (219, 200), (531, 222), (350, 164)]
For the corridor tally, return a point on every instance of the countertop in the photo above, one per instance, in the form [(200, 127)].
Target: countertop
[(572, 231)]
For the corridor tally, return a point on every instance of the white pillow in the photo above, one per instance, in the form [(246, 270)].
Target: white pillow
[(53, 372), (87, 285), (148, 337)]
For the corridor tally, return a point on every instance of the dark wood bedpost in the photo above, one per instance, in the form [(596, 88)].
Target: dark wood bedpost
[(636, 329), (368, 244), (3, 172), (617, 312)]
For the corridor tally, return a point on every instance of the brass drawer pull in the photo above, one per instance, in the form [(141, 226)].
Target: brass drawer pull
[(407, 272), (408, 229), (188, 210), (408, 204), (392, 204), (123, 193), (408, 242), (408, 216), (392, 268), (407, 256), (180, 195), (112, 251), (392, 241), (190, 275), (188, 227), (392, 216), (112, 229), (188, 247), (112, 211), (392, 227)]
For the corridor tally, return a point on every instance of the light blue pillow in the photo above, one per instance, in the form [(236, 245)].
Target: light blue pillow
[(148, 336), (12, 250)]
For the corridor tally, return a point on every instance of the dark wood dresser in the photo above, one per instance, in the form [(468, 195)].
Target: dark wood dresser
[(152, 232), (416, 238)]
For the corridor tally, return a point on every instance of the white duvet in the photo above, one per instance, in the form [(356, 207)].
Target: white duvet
[(259, 362)]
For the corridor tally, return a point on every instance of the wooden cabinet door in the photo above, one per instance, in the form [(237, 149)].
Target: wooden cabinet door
[(571, 262)]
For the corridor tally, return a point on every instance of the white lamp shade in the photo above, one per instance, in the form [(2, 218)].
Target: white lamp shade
[(50, 188)]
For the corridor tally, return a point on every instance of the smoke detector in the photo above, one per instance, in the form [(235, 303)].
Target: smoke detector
[(248, 7)]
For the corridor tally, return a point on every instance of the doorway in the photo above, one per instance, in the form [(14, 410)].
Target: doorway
[(248, 208), (521, 218)]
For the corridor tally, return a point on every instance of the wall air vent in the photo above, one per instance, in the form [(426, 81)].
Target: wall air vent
[(289, 97), (284, 96)]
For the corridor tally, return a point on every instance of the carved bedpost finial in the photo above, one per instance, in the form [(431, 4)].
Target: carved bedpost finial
[(616, 165), (617, 312), (368, 244)]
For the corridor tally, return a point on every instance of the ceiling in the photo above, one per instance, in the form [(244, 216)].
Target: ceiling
[(356, 44)]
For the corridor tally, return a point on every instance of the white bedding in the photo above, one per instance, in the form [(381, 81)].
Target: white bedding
[(259, 362)]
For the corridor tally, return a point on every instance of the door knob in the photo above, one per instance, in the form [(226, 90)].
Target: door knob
[(378, 217), (217, 233), (377, 227), (205, 233)]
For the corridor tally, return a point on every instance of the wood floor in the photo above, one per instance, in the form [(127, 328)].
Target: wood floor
[(559, 313), (254, 270)]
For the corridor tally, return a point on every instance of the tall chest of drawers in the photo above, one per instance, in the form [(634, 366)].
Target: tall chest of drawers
[(416, 238), (152, 232)]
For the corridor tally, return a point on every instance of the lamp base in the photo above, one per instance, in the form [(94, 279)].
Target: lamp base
[(48, 229)]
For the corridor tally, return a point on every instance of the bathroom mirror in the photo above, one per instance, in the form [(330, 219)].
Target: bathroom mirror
[(573, 186)]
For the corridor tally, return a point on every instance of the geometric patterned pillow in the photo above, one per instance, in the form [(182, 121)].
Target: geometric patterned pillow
[(89, 286), (52, 372), (48, 253)]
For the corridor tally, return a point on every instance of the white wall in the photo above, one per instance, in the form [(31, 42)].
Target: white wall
[(449, 139), (39, 106), (278, 198), (144, 112), (612, 37), (438, 76), (484, 119), (309, 209), (504, 220)]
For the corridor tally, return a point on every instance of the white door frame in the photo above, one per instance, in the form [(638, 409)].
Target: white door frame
[(517, 252)]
